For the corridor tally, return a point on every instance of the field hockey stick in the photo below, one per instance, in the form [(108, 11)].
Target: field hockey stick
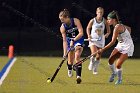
[(99, 39), (58, 68), (83, 60)]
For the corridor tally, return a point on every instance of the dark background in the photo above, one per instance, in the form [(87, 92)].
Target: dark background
[(32, 26)]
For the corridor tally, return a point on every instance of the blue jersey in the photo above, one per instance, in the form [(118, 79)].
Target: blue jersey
[(72, 32)]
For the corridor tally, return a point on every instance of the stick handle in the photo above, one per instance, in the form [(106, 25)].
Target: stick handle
[(84, 59), (91, 39)]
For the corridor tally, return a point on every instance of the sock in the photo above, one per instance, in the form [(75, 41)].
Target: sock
[(91, 60), (69, 66), (79, 70), (119, 73), (95, 65), (112, 67)]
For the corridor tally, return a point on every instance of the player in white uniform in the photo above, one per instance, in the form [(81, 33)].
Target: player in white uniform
[(95, 30), (124, 48)]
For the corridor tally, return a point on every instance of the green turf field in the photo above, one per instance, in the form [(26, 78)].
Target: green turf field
[(29, 75)]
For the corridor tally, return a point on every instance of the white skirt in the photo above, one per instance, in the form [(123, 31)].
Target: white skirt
[(125, 48), (100, 43)]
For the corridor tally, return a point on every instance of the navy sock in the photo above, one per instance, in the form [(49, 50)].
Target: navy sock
[(79, 70), (69, 66)]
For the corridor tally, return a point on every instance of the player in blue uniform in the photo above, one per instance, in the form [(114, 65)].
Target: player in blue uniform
[(72, 33)]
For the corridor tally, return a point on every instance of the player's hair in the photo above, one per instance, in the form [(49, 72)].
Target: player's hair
[(64, 13), (114, 15), (100, 8)]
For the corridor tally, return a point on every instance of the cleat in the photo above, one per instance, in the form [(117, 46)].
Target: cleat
[(78, 80), (70, 73), (95, 73), (118, 82), (112, 77)]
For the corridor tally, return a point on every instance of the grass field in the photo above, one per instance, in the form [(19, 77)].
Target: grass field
[(29, 75)]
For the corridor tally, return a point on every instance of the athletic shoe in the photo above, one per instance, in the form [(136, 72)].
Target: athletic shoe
[(70, 73), (95, 71), (111, 79), (78, 80), (118, 82), (90, 67)]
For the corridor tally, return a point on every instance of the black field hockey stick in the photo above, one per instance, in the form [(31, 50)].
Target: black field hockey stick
[(58, 68), (83, 60)]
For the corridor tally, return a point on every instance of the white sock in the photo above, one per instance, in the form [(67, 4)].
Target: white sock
[(96, 64), (113, 69), (91, 60), (119, 73), (78, 77)]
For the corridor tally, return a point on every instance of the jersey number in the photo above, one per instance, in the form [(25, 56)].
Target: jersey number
[(73, 34)]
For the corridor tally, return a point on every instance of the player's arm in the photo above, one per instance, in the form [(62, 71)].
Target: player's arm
[(62, 30), (80, 29), (114, 38), (108, 29), (89, 27)]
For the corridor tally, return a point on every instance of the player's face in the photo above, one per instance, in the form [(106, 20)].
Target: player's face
[(109, 20), (63, 19), (100, 13)]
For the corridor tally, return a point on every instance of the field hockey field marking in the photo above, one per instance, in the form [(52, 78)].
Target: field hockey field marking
[(6, 69)]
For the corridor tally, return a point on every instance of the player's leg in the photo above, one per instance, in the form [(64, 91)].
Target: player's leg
[(93, 49), (119, 63), (70, 63), (96, 63), (78, 52), (114, 55)]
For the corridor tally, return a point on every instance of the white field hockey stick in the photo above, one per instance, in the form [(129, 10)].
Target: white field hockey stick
[(99, 39)]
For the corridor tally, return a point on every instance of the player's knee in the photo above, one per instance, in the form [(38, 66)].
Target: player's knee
[(97, 58), (111, 61), (118, 66)]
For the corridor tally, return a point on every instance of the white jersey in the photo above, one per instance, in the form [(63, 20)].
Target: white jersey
[(97, 32), (125, 44)]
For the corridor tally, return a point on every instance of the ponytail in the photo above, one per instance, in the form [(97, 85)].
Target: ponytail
[(114, 15)]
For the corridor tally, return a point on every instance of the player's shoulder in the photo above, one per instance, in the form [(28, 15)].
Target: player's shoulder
[(76, 19), (62, 26), (92, 20), (119, 27)]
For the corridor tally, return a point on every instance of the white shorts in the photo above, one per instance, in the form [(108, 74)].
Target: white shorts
[(99, 44), (125, 48)]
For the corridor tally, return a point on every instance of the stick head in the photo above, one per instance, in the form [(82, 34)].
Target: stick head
[(49, 80)]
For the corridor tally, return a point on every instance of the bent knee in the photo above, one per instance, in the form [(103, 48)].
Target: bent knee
[(118, 66), (111, 61), (97, 58)]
